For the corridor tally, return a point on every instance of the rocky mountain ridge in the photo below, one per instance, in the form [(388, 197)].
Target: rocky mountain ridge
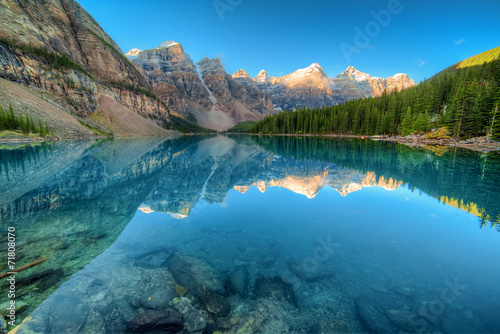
[(58, 51), (217, 100), (310, 87), (201, 92)]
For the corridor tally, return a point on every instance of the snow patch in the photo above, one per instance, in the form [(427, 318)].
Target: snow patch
[(168, 44), (211, 96)]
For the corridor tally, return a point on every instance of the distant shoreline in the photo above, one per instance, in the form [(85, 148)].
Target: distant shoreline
[(411, 141)]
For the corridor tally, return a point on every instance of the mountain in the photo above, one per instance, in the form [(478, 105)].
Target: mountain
[(464, 99), (375, 86), (205, 93), (311, 88), (68, 63), (202, 92), (61, 67)]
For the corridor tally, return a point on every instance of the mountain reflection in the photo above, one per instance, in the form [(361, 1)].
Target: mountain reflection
[(70, 201)]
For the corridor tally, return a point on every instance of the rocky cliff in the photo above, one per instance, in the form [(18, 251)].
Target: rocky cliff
[(205, 93), (202, 92), (57, 48)]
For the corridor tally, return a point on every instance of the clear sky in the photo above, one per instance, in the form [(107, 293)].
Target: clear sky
[(418, 37)]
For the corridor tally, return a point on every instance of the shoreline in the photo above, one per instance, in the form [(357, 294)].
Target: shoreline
[(411, 141), (478, 144)]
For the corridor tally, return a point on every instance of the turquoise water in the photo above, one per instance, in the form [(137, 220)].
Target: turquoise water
[(266, 234)]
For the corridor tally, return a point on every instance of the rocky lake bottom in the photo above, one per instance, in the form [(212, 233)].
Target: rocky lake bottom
[(221, 235)]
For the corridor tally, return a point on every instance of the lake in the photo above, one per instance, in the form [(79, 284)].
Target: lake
[(249, 234)]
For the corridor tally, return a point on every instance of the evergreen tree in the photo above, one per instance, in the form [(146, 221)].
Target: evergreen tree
[(407, 124)]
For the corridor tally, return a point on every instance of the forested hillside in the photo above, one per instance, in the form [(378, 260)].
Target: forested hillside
[(464, 98)]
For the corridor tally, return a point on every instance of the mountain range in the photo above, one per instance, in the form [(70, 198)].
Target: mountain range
[(204, 92), (57, 65)]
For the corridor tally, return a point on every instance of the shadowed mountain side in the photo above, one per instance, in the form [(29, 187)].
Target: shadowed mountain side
[(25, 169)]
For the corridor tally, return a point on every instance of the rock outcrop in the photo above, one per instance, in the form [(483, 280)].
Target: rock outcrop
[(202, 92), (57, 48)]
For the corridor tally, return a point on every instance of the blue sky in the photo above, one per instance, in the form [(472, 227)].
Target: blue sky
[(418, 37)]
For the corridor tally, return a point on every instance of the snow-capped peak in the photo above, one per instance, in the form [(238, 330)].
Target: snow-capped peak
[(355, 74), (133, 52), (168, 44), (262, 77), (399, 75), (241, 74), (313, 69), (315, 66)]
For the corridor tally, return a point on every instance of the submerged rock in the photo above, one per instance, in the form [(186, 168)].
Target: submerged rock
[(44, 279), (404, 319), (203, 281), (330, 327), (371, 318), (275, 289), (239, 280), (156, 298), (68, 315), (193, 319), (156, 321), (320, 273), (20, 306)]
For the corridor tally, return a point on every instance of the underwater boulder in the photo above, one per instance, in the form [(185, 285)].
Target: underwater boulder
[(156, 321), (239, 280), (275, 288), (371, 318), (68, 315), (192, 318), (330, 327), (202, 281)]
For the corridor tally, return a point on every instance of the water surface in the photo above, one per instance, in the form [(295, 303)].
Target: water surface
[(268, 235)]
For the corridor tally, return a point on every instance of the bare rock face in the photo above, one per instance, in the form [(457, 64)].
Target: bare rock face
[(174, 77), (228, 89), (202, 92), (90, 64), (311, 88), (375, 86)]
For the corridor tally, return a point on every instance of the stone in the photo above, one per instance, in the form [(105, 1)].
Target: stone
[(193, 319), (239, 280), (275, 289), (68, 315), (403, 319), (203, 281), (330, 327), (20, 306), (156, 298), (371, 318), (156, 321), (44, 279), (248, 323)]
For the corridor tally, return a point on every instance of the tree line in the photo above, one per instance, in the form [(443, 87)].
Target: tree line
[(465, 100), (9, 121)]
